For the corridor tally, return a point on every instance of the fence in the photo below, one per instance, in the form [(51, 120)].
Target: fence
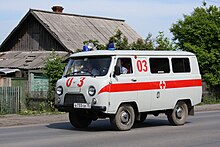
[(23, 84), (10, 99)]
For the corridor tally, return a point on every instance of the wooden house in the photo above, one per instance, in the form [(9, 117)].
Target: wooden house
[(40, 32), (43, 31)]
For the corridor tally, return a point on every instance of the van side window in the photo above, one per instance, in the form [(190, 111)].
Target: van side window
[(180, 65), (159, 65), (125, 65)]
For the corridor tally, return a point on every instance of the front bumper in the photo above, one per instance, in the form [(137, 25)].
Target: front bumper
[(70, 108)]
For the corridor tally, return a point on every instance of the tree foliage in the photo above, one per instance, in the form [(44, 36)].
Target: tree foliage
[(96, 43), (53, 69), (199, 33), (121, 43), (163, 43), (143, 44)]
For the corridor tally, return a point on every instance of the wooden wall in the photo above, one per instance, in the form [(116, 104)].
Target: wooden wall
[(31, 36)]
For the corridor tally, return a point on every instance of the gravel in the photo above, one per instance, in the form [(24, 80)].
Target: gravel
[(15, 120)]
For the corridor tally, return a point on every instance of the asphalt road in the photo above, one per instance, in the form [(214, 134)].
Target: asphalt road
[(202, 130)]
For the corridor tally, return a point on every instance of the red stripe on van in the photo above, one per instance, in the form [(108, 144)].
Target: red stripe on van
[(183, 83), (125, 87)]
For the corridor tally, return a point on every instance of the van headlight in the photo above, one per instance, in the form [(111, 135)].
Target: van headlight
[(91, 91), (59, 90)]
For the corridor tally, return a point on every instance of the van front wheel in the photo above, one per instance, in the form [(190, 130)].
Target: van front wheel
[(78, 120), (178, 115), (124, 118)]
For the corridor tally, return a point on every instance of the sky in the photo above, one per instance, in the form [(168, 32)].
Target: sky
[(144, 16)]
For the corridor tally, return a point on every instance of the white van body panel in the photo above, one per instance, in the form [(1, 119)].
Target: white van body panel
[(149, 91)]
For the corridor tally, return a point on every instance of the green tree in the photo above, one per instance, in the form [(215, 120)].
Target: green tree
[(53, 69), (141, 44), (121, 43), (199, 33), (96, 44), (163, 43)]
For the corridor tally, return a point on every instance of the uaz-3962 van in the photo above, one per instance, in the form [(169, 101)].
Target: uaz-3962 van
[(126, 86)]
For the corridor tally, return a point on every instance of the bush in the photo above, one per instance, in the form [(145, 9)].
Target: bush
[(210, 100), (53, 69)]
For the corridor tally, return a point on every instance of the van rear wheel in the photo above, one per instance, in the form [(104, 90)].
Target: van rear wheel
[(124, 118), (179, 114), (78, 120)]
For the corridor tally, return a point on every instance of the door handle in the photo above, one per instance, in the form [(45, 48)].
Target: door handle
[(134, 80)]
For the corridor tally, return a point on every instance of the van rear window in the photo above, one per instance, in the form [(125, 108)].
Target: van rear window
[(159, 65), (180, 65)]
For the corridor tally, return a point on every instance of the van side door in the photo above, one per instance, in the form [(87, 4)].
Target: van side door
[(122, 85), (143, 83), (160, 75)]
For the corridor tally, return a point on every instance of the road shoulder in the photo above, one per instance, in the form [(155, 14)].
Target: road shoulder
[(210, 107)]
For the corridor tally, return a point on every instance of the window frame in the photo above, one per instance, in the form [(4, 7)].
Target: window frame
[(131, 62), (167, 71), (185, 60)]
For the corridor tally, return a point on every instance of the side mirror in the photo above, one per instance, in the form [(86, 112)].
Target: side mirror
[(117, 71)]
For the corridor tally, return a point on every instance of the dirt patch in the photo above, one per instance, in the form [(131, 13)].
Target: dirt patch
[(14, 119)]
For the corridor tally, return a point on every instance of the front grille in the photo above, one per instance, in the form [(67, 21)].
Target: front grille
[(69, 99)]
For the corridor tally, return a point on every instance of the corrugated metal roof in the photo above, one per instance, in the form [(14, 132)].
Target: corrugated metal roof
[(72, 30), (26, 60), (7, 71)]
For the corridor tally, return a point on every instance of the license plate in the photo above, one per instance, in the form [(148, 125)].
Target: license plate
[(82, 105)]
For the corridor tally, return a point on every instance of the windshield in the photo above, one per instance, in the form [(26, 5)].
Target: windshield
[(88, 66)]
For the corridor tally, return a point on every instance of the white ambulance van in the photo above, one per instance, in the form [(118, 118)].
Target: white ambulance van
[(126, 86)]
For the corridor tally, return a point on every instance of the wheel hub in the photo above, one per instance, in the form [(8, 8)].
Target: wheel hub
[(124, 117), (179, 112)]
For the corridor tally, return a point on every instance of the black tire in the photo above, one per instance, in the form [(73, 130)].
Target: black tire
[(179, 114), (123, 120), (78, 120)]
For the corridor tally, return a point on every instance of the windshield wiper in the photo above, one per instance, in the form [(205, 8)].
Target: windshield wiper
[(86, 71), (80, 73), (72, 74)]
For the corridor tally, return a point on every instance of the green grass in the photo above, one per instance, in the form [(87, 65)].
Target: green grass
[(31, 112), (210, 100)]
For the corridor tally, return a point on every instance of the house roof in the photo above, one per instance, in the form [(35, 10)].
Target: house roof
[(26, 60), (71, 30)]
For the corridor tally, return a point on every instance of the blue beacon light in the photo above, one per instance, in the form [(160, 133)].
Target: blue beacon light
[(111, 46), (85, 48)]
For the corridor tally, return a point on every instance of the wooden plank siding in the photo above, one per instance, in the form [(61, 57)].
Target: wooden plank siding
[(31, 36)]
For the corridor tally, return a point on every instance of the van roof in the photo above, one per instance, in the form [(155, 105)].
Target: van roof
[(131, 53)]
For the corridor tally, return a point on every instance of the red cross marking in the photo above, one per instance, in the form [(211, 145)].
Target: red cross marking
[(162, 85)]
